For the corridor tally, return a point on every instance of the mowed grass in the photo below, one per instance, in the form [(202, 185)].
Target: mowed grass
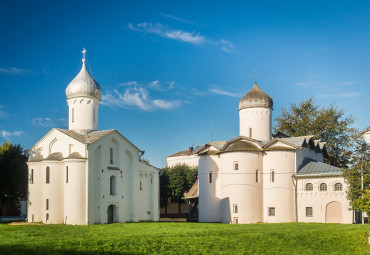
[(185, 238)]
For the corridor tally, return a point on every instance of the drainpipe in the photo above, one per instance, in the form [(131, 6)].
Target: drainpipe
[(294, 179)]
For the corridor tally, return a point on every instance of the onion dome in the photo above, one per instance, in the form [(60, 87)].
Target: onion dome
[(83, 85), (255, 98)]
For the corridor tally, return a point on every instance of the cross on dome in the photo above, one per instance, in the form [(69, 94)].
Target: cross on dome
[(255, 75), (84, 55)]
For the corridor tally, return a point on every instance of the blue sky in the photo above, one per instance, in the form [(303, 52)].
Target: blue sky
[(171, 71)]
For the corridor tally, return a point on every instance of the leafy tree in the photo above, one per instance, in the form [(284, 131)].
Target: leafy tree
[(181, 178), (328, 124), (13, 173), (164, 191)]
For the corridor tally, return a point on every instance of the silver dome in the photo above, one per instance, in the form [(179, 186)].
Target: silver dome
[(83, 85), (255, 98)]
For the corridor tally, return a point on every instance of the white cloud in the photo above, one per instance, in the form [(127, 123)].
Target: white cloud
[(167, 32), (49, 122), (129, 83), (219, 91), (137, 96), (3, 114), (348, 83), (341, 95), (177, 18), (172, 85), (226, 46), (13, 70), (8, 134)]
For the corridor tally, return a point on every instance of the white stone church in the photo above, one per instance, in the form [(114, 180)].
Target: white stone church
[(85, 176), (256, 177)]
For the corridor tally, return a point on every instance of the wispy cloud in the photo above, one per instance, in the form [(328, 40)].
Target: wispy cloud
[(218, 91), (348, 83), (177, 19), (3, 114), (167, 32), (49, 122), (129, 83), (7, 134), (137, 96), (13, 70), (193, 37), (341, 95)]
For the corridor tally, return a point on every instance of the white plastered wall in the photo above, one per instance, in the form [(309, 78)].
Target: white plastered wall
[(259, 120), (191, 160), (319, 200), (83, 114)]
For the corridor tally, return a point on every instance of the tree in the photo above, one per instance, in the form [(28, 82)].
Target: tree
[(329, 124), (13, 173), (180, 178), (164, 191)]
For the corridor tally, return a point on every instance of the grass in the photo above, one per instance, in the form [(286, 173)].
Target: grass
[(185, 238)]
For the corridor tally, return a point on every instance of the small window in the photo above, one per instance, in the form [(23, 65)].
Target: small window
[(66, 174), (309, 212), (141, 185), (236, 165), (250, 132), (73, 114), (323, 187), (235, 208), (338, 186), (31, 177), (257, 175), (47, 217), (236, 220), (309, 187), (272, 175), (113, 185), (111, 155), (94, 114), (47, 204), (210, 177), (271, 211), (47, 174)]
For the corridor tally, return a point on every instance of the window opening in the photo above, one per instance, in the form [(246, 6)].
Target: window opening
[(271, 211), (236, 165), (309, 187), (210, 177), (66, 174), (47, 174), (272, 175), (111, 155), (257, 175), (250, 132), (235, 208), (338, 186), (47, 204), (323, 187), (309, 212), (73, 114), (113, 185)]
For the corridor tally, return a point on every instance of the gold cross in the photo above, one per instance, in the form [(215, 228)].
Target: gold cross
[(255, 75)]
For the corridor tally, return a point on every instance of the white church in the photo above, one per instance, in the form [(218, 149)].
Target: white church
[(256, 177), (81, 175)]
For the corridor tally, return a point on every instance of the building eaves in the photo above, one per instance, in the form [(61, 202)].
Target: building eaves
[(319, 169)]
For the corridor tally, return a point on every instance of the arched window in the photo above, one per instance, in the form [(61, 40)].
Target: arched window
[(323, 187), (111, 155), (47, 174), (113, 185), (338, 186), (73, 114), (309, 187)]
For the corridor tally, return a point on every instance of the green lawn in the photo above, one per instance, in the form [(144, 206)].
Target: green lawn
[(185, 238)]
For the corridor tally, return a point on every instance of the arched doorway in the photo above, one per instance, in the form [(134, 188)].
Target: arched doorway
[(112, 214), (334, 212)]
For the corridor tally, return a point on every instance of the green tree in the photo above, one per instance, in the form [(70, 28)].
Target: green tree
[(181, 178), (328, 124), (164, 191), (13, 173)]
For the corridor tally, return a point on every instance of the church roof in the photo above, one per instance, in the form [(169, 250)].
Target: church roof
[(319, 169), (83, 85), (256, 97), (86, 139)]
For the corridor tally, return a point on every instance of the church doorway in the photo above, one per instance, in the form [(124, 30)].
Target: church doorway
[(112, 214), (333, 212)]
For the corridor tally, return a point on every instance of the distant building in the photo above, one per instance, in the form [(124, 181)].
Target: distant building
[(367, 135), (84, 176), (259, 178)]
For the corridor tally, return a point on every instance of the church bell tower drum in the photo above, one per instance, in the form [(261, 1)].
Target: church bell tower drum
[(255, 114), (83, 98)]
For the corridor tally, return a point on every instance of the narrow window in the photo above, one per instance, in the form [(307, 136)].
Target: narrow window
[(94, 114), (309, 212), (47, 217), (70, 148), (47, 174), (141, 185), (47, 204), (271, 211), (236, 165), (338, 186), (33, 218), (210, 177), (257, 175), (235, 206), (309, 187), (236, 220), (73, 114), (111, 155), (323, 187), (31, 176), (151, 180), (66, 174), (272, 175), (113, 185), (250, 132)]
